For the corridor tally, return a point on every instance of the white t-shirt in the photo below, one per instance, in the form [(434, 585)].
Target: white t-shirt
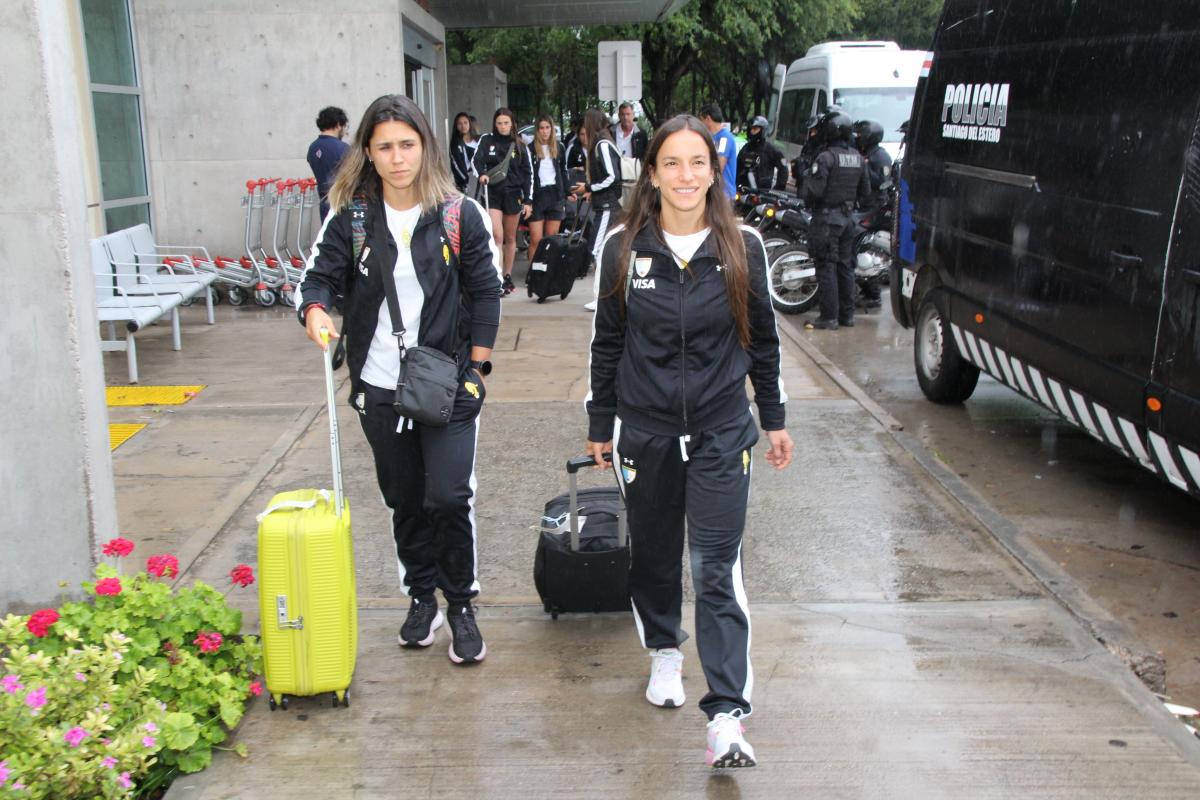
[(625, 141), (684, 247), (546, 173), (382, 368)]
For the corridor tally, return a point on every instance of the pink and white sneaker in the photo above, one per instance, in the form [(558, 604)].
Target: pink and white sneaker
[(727, 747), (665, 688)]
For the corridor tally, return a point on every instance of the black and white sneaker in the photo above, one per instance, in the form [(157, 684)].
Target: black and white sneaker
[(727, 745), (421, 624), (466, 642)]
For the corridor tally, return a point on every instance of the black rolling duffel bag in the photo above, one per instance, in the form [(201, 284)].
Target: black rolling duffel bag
[(582, 559)]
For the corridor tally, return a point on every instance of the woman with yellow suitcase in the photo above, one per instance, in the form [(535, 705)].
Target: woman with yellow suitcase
[(417, 266)]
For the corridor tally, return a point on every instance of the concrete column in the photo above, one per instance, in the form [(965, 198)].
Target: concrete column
[(478, 89), (56, 485)]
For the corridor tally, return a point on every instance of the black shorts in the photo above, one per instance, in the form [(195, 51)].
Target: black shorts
[(548, 205), (506, 202)]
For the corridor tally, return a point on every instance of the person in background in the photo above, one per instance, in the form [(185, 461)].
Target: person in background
[(549, 184), (867, 137), (834, 185), (463, 143), (576, 153), (714, 120), (629, 138), (602, 186), (760, 165), (503, 165), (326, 151), (684, 318), (393, 202)]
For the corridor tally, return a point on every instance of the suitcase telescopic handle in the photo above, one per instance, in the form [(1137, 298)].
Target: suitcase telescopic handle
[(335, 445), (573, 467)]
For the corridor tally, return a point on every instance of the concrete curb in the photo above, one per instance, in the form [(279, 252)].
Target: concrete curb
[(1146, 673)]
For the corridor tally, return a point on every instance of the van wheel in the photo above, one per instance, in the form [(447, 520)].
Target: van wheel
[(944, 375)]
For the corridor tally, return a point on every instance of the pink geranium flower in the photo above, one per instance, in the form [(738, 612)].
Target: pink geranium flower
[(108, 586), (149, 742), (109, 762), (150, 727), (242, 575), (256, 688), (164, 566), (74, 736), (39, 622), (208, 642), (118, 547), (12, 684), (124, 781), (3, 772)]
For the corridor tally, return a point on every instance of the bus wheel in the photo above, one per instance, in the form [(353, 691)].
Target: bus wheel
[(944, 375)]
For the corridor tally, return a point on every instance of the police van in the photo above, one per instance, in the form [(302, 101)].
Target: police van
[(1049, 225), (869, 80)]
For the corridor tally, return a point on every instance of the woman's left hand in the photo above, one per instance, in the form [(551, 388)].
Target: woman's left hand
[(528, 210), (780, 454)]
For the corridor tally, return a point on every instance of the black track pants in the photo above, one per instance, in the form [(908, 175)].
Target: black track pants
[(427, 478), (709, 491), (831, 239)]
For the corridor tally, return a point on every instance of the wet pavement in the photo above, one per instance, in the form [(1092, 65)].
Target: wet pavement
[(1127, 539), (899, 649)]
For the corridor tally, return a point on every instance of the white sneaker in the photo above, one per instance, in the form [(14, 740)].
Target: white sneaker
[(666, 678), (727, 747), (590, 305)]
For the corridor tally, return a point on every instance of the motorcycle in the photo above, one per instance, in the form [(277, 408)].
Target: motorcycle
[(791, 271)]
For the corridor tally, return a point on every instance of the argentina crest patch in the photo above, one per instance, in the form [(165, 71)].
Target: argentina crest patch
[(642, 266)]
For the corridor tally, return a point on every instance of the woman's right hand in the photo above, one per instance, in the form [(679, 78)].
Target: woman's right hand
[(314, 320), (483, 179), (597, 450)]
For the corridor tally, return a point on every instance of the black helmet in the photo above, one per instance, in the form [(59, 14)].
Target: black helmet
[(759, 122), (836, 126), (869, 133)]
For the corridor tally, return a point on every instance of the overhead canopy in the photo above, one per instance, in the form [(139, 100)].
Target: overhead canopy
[(460, 14)]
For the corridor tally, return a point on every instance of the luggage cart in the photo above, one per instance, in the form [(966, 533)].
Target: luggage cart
[(288, 206), (270, 274), (309, 200)]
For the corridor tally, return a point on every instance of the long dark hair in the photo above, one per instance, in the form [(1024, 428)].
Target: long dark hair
[(595, 124), (645, 211), (356, 174), (455, 136)]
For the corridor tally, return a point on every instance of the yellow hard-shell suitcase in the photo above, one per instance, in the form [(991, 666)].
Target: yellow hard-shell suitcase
[(306, 587)]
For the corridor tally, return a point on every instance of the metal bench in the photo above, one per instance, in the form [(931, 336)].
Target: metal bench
[(145, 272), (135, 310)]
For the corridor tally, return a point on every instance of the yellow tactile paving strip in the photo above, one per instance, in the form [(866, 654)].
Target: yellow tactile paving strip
[(150, 395), (118, 434)]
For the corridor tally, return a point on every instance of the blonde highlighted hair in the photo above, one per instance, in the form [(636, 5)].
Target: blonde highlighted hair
[(356, 174), (537, 142)]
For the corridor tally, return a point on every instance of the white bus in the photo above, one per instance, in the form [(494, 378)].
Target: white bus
[(868, 80)]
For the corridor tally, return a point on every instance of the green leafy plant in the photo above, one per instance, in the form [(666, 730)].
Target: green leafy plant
[(179, 650)]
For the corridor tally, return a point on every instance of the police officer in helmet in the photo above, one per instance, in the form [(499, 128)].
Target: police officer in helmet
[(760, 165), (836, 182), (868, 134)]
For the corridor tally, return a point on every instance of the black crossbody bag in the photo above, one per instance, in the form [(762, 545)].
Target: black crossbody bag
[(428, 380)]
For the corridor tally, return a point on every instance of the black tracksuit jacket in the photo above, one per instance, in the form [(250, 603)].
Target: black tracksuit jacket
[(519, 180), (560, 170), (604, 176), (674, 352), (462, 293)]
